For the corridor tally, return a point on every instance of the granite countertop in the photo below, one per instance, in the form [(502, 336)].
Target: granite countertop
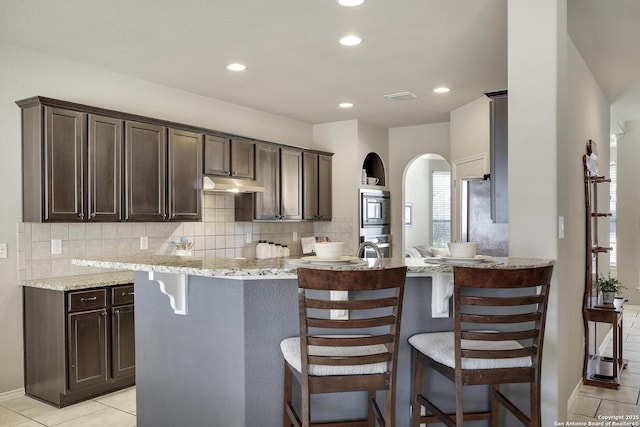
[(83, 281), (280, 267)]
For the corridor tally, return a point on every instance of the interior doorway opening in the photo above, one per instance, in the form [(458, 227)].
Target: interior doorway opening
[(427, 205)]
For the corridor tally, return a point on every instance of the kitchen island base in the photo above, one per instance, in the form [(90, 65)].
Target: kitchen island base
[(221, 363)]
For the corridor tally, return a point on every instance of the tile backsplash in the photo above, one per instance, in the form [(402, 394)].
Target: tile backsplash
[(217, 236)]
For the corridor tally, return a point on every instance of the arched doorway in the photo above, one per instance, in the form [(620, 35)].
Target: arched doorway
[(427, 205)]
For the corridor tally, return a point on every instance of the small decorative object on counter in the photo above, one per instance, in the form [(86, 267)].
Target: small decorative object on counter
[(609, 286), (279, 251), (182, 247), (286, 252), (262, 250)]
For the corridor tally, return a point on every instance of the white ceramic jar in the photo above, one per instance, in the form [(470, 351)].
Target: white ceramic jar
[(273, 251), (286, 251), (262, 250)]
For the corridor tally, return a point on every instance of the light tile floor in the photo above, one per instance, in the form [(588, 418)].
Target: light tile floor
[(594, 404), (119, 409)]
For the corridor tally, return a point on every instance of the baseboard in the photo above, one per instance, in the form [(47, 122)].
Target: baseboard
[(574, 394), (12, 394)]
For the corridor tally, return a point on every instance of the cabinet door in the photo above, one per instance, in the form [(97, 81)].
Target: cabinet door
[(310, 185), (65, 146), (185, 179), (325, 184), (87, 348), (104, 169), (242, 155), (217, 155), (123, 349), (290, 184), (267, 203), (145, 174)]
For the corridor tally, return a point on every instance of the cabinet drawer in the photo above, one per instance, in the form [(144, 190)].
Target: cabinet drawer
[(122, 295), (87, 300)]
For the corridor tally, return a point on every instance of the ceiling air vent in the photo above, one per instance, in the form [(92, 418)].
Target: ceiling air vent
[(400, 96)]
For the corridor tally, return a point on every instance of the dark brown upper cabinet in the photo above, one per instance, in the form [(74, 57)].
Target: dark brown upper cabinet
[(279, 170), (267, 203), (145, 172), (84, 163), (70, 174), (231, 157), (104, 167), (290, 183), (185, 179), (499, 153), (316, 186)]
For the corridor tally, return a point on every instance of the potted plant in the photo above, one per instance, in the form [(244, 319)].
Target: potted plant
[(182, 247), (609, 286)]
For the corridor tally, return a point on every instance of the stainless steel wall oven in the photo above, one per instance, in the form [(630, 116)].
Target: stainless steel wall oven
[(375, 221)]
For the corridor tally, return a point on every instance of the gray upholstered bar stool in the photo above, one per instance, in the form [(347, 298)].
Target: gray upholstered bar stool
[(499, 319), (335, 355)]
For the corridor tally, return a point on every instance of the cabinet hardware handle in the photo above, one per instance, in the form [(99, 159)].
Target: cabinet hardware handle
[(104, 312), (116, 312), (81, 215), (88, 299), (126, 294), (93, 215)]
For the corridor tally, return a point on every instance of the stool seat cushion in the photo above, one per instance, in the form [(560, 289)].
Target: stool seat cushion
[(291, 351), (439, 346)]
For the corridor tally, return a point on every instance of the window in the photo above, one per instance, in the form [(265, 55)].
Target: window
[(440, 208), (613, 170)]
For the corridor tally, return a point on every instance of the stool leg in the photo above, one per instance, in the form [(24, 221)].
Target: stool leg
[(371, 416), (416, 407), (493, 402), (287, 395), (459, 405), (536, 416)]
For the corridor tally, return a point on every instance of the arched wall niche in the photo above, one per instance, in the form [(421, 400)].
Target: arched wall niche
[(374, 167)]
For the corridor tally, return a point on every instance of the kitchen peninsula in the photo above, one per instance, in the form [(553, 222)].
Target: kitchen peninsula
[(208, 334)]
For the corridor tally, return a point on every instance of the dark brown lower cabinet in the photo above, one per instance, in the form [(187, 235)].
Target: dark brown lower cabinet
[(78, 344)]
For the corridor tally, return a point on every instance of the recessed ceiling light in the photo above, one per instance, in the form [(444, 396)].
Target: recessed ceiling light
[(350, 40), (236, 67), (441, 89), (345, 105), (350, 3)]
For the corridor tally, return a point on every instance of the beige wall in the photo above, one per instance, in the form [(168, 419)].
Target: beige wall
[(554, 107), (407, 144), (470, 130)]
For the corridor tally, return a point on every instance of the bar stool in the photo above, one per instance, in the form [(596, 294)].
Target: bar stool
[(351, 360), (499, 319)]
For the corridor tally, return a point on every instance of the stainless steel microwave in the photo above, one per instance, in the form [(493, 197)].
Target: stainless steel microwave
[(375, 209)]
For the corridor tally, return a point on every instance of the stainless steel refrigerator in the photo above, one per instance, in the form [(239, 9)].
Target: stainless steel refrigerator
[(477, 226)]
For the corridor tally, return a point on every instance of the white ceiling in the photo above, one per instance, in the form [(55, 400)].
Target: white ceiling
[(297, 68)]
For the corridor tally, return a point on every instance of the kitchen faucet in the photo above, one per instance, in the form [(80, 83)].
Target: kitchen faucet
[(371, 245)]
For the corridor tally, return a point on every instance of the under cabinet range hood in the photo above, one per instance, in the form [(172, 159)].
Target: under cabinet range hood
[(212, 184)]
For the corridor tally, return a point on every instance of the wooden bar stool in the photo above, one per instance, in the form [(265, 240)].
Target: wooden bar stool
[(333, 356), (499, 318)]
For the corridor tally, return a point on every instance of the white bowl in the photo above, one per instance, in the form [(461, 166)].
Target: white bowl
[(463, 249), (440, 252), (328, 250)]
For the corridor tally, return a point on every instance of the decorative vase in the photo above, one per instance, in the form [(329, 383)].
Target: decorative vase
[(607, 297), (187, 252), (618, 302)]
